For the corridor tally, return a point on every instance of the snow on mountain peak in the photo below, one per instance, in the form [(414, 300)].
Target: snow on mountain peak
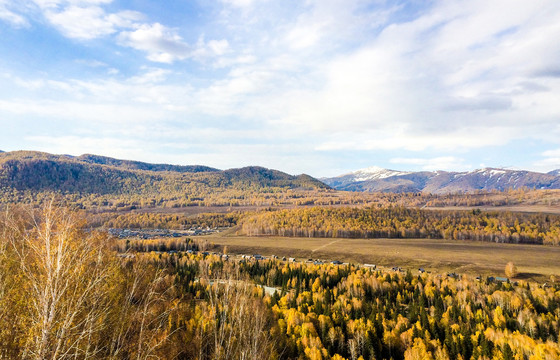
[(375, 173), (489, 171)]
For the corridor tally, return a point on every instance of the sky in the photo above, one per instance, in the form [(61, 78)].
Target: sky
[(321, 87)]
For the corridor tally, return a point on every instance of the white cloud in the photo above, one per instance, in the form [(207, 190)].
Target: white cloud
[(161, 43), (327, 25), (51, 4), (454, 72), (552, 153), (86, 20), (91, 63), (239, 3), (165, 45), (394, 139), (211, 48), (438, 163), (358, 76), (304, 36), (550, 161), (82, 112), (77, 145), (10, 16)]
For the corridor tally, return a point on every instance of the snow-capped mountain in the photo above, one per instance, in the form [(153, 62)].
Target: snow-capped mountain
[(386, 180), (374, 173)]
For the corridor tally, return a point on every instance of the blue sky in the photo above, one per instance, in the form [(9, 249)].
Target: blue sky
[(320, 87)]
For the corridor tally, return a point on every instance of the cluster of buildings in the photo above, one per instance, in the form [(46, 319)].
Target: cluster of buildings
[(160, 233)]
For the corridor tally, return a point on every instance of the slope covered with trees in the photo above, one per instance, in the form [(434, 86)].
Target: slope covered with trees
[(91, 181), (65, 295), (401, 222)]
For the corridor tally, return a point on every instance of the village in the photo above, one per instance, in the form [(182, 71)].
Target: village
[(161, 233)]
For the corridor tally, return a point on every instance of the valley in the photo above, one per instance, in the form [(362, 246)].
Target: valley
[(169, 254)]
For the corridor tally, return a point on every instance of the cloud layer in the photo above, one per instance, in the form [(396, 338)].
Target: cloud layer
[(316, 86)]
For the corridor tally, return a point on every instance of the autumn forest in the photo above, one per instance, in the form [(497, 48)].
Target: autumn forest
[(136, 267)]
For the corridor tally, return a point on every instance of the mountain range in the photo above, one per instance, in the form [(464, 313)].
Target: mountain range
[(375, 179), (94, 174), (36, 172)]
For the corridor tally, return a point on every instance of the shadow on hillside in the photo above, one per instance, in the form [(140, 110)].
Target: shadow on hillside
[(527, 275)]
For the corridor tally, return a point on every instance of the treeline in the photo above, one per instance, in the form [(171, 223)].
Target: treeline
[(64, 294), (171, 221), (509, 197), (401, 222), (129, 247)]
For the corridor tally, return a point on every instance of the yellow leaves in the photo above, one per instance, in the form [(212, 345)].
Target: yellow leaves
[(474, 338), (445, 318), (430, 291), (344, 319), (308, 330), (325, 322), (498, 318), (293, 319), (540, 295), (510, 270), (258, 292), (544, 352), (497, 354), (282, 324), (313, 353), (283, 303), (406, 338), (441, 354), (337, 357), (418, 351), (316, 285), (516, 302)]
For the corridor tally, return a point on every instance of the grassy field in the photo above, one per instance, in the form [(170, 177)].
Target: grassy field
[(534, 262)]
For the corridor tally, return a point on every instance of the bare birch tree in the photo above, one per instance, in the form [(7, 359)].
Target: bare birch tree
[(238, 319), (66, 273), (65, 295)]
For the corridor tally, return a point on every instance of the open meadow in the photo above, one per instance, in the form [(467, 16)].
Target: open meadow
[(534, 262)]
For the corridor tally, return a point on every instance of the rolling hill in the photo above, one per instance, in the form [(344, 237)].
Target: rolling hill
[(90, 176)]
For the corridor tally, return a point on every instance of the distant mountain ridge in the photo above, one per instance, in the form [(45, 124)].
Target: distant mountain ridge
[(138, 165), (375, 179), (37, 172)]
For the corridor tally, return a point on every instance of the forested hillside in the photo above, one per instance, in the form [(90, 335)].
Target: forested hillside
[(65, 295), (95, 181)]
